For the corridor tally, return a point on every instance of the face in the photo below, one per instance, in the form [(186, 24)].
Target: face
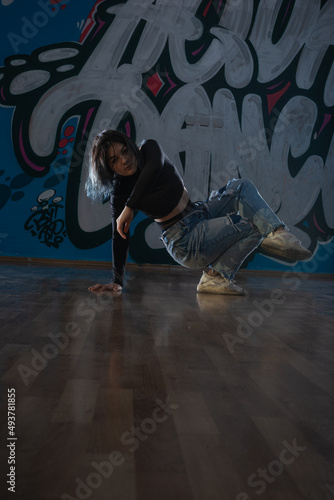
[(121, 159)]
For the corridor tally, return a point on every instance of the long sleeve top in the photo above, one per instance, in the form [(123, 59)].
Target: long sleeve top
[(155, 189)]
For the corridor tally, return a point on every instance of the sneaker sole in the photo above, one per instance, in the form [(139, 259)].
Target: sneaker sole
[(292, 254), (220, 291)]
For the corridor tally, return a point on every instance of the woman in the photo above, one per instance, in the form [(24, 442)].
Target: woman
[(218, 233)]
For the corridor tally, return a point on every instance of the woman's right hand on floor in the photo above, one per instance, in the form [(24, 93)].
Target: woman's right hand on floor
[(111, 287)]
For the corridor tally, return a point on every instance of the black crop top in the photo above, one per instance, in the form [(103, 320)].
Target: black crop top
[(159, 186), (155, 189)]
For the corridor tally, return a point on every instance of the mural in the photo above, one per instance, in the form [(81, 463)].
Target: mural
[(230, 88), (43, 221)]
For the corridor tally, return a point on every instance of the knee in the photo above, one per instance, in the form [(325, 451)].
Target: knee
[(237, 184), (247, 182), (246, 185)]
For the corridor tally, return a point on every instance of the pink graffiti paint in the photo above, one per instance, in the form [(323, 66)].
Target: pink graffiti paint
[(274, 86), (55, 2), (172, 84), (69, 131), (219, 6), (197, 51), (325, 122), (63, 143), (154, 84), (101, 24), (24, 155), (89, 114), (272, 99), (286, 12), (128, 129), (317, 225), (90, 22), (207, 8)]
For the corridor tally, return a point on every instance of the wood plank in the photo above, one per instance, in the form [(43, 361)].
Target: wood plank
[(77, 402), (150, 376)]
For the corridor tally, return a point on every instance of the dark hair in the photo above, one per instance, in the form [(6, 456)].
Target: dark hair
[(100, 177)]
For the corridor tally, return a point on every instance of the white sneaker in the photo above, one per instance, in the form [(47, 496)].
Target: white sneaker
[(218, 284), (285, 244)]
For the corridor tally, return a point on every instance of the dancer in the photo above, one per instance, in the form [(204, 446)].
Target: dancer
[(217, 233)]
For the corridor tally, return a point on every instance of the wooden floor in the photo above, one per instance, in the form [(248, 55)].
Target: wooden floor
[(164, 394)]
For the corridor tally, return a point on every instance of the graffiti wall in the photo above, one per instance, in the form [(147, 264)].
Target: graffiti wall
[(230, 88)]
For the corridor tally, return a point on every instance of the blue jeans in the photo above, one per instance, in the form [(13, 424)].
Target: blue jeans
[(222, 230)]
